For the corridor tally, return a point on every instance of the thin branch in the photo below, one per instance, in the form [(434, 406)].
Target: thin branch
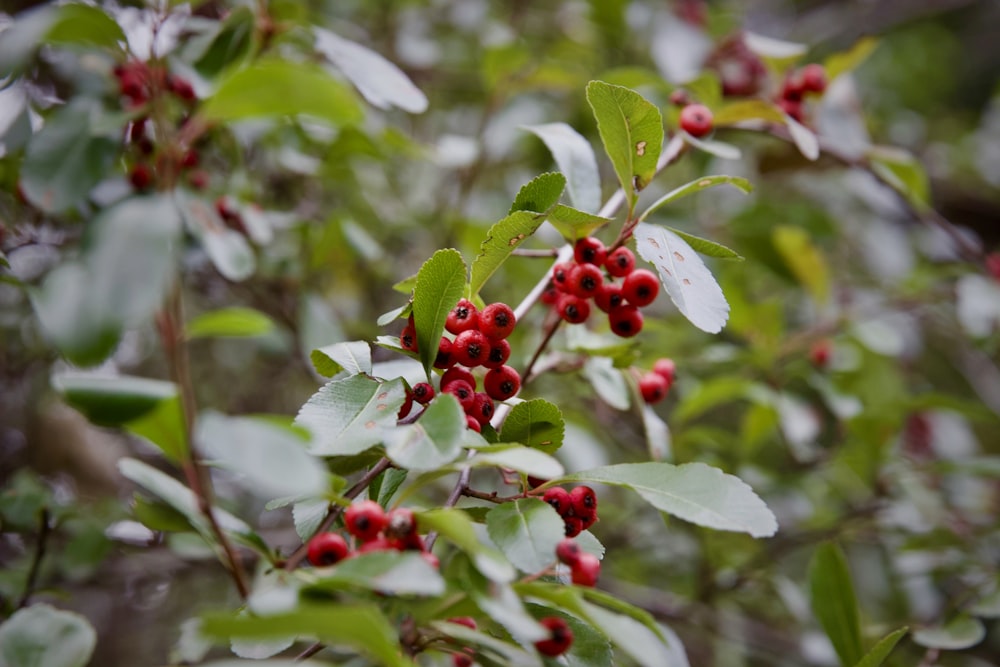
[(492, 496), (527, 252), (36, 564), (310, 652)]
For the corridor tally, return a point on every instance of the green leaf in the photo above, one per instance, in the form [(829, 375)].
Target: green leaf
[(539, 194), (804, 259), (387, 318), (903, 172), (694, 186), (229, 46), (632, 636), (379, 81), (43, 636), (959, 633), (574, 224), (833, 602), (607, 381), (575, 158), (392, 479), (388, 572), (433, 441), (717, 148), (631, 129), (67, 157), (501, 240), (229, 250), (694, 492), (657, 432), (270, 459), (235, 662), (281, 88), (688, 282), (20, 40), (527, 530), (440, 284), (881, 650), (804, 138), (849, 60), (307, 516), (163, 426), (987, 606), (590, 648), (744, 110), (229, 322), (456, 527), (353, 356), (524, 460), (535, 423), (159, 516), (349, 416), (361, 627), (497, 651), (112, 400), (706, 247), (77, 23)]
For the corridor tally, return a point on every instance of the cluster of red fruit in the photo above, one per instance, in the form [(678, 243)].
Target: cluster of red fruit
[(375, 530), (798, 83), (740, 70), (578, 508), (558, 642), (480, 340), (575, 284), (655, 384)]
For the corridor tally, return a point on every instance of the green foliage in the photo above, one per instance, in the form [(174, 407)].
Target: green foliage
[(42, 636), (440, 284), (229, 323), (536, 423), (502, 239), (834, 603)]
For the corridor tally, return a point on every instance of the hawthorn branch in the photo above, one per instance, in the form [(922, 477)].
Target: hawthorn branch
[(36, 563)]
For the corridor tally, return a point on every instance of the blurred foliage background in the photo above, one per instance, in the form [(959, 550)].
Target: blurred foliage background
[(893, 449)]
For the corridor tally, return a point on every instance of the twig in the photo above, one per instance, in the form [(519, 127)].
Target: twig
[(36, 563), (528, 252), (492, 496), (310, 652)]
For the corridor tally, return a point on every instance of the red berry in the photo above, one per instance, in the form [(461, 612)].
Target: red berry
[(609, 297), (502, 383), (190, 159), (560, 499), (793, 108), (573, 309), (560, 637), (378, 544), (667, 368), (535, 481), (463, 391), (497, 321), (585, 281), (573, 525), (471, 348), (431, 559), (814, 78), (137, 131), (483, 408), (584, 501), (568, 551), (641, 287), (590, 251), (793, 87), (820, 353), (463, 316), (560, 274), (550, 295), (625, 320), (456, 373), (401, 524), (408, 338), (180, 87), (499, 354), (620, 262), (461, 660), (473, 423), (423, 393), (444, 357), (653, 387), (467, 621), (696, 120), (326, 549), (365, 520), (141, 176), (586, 570), (993, 264), (680, 98), (405, 408)]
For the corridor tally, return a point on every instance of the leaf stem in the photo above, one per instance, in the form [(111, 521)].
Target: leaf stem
[(36, 563)]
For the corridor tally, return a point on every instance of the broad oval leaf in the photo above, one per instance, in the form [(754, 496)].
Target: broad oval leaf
[(706, 247), (540, 193), (694, 186), (903, 172), (846, 61), (607, 381), (455, 526), (834, 603), (233, 322), (575, 158), (351, 356), (43, 636), (507, 653), (590, 647), (959, 633), (804, 259), (379, 81), (524, 460), (631, 129), (690, 284), (163, 426), (440, 284), (389, 572), (573, 223), (694, 492), (108, 400), (744, 110), (527, 530), (433, 441), (633, 637), (536, 423), (881, 650), (348, 416), (502, 239)]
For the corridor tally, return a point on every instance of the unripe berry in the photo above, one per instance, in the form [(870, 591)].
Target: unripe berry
[(456, 373), (463, 317), (625, 320), (502, 383), (423, 392), (497, 321), (444, 358), (560, 637), (620, 262), (609, 297), (573, 309), (585, 281), (560, 274), (499, 354), (814, 78), (568, 551), (365, 520), (653, 387), (667, 368), (463, 391), (641, 287), (560, 499), (471, 348), (483, 408), (326, 549), (696, 120), (589, 251), (586, 570)]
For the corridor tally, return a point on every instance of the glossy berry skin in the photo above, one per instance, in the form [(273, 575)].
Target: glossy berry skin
[(609, 297), (560, 275), (814, 78), (444, 358), (696, 120), (568, 551), (550, 296), (573, 309), (625, 321), (667, 368), (482, 410), (456, 373), (589, 251), (327, 549), (463, 316), (405, 408), (560, 637), (499, 354), (378, 544), (641, 287), (471, 348), (423, 393), (408, 338), (653, 387), (585, 281), (497, 321), (560, 499), (463, 391), (365, 520), (584, 501), (502, 383), (586, 570), (793, 108), (473, 423), (573, 526), (620, 262)]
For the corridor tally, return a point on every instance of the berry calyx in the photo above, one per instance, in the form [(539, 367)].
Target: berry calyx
[(814, 78), (573, 309), (408, 338), (585, 281), (499, 354), (471, 348), (586, 570), (365, 520), (667, 368), (568, 551), (497, 321), (560, 637), (696, 120), (653, 387), (620, 262), (502, 383), (423, 392), (463, 317), (326, 549), (560, 500), (641, 287), (589, 251), (626, 320)]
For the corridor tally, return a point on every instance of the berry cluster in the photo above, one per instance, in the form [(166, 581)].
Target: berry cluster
[(578, 508), (584, 567), (740, 70), (374, 530), (480, 339), (798, 83), (575, 284), (655, 384)]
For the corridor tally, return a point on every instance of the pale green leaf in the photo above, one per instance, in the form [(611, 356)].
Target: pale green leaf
[(959, 633), (706, 247), (353, 357), (694, 186), (574, 224), (440, 284), (229, 250), (717, 148), (349, 416), (524, 460), (804, 138), (575, 158), (43, 636), (388, 572), (881, 650), (844, 62), (433, 441), (903, 172), (743, 110), (804, 260), (456, 527), (527, 530)]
